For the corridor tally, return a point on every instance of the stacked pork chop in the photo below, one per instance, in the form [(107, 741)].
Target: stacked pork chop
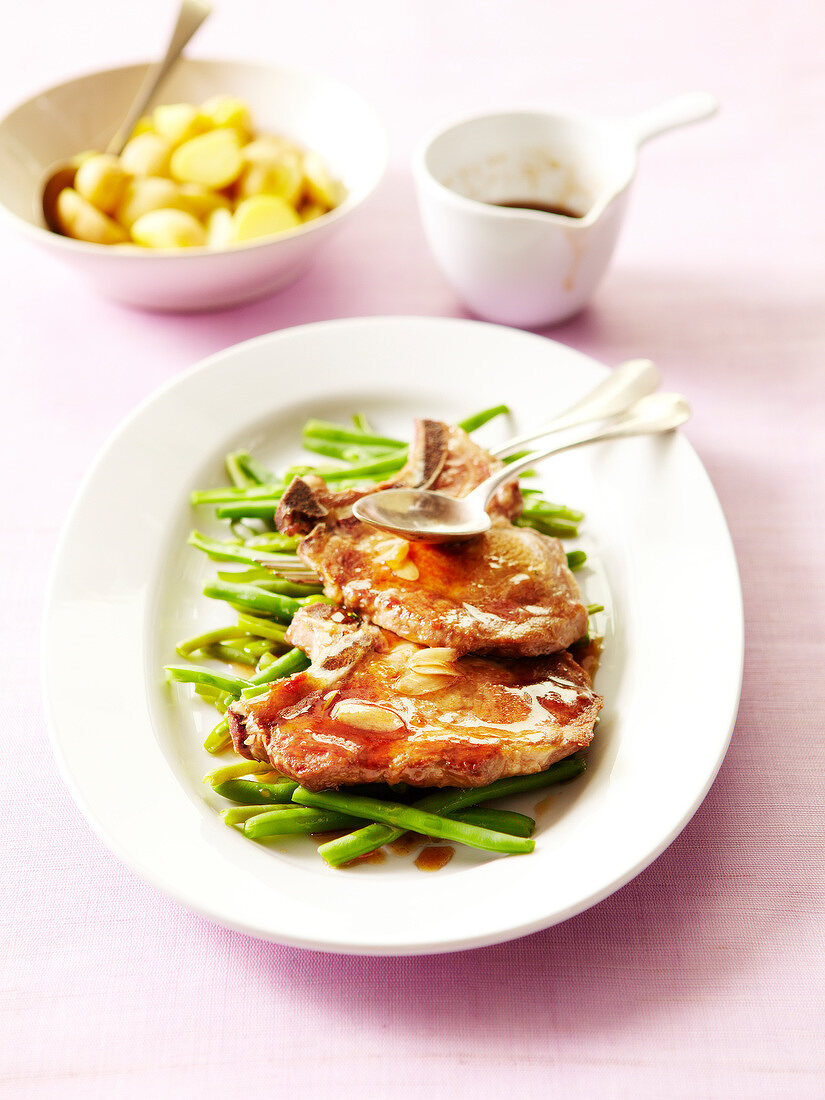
[(444, 664)]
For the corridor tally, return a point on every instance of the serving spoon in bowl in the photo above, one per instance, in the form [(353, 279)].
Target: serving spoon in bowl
[(62, 175), (421, 515)]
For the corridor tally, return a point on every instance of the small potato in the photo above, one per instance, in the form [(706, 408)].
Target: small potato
[(146, 155), (211, 160), (219, 228), (226, 111), (262, 216), (168, 229), (79, 219), (281, 176), (319, 184), (147, 193), (143, 126), (200, 201), (102, 180), (269, 147), (311, 211), (179, 122)]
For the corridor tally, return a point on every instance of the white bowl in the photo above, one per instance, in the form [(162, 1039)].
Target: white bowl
[(320, 113)]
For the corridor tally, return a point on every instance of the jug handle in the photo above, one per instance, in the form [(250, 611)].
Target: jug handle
[(680, 111)]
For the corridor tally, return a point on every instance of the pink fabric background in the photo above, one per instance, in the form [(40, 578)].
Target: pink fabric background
[(704, 976)]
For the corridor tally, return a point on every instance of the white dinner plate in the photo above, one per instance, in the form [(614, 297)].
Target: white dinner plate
[(125, 588)]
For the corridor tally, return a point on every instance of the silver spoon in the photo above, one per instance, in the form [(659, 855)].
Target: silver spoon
[(60, 176), (623, 387), (420, 515)]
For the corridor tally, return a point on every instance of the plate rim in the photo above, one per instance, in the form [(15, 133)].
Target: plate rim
[(148, 873)]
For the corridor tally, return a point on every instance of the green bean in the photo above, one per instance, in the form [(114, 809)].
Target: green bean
[(294, 819), (335, 433), (192, 645), (244, 576), (514, 457), (289, 588), (250, 793), (237, 475), (235, 771), (231, 551), (232, 684), (229, 654), (274, 540), (544, 509), (576, 559), (370, 470), (229, 495), (255, 599), (556, 528), (260, 474), (503, 821), (419, 821), (219, 738), (293, 661), (249, 509), (216, 698), (237, 815), (594, 608), (445, 801), (477, 419), (265, 628), (361, 422)]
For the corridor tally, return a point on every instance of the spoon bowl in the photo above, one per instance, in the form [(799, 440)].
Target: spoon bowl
[(422, 515)]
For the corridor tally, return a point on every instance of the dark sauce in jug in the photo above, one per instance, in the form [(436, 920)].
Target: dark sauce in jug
[(543, 207)]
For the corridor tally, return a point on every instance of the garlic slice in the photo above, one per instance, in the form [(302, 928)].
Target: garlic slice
[(366, 716)]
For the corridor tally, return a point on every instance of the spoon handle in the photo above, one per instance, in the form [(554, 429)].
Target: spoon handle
[(684, 109), (191, 15), (658, 412), (623, 387)]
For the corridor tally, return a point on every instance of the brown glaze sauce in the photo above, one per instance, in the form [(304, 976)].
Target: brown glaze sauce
[(406, 844), (542, 207), (434, 857)]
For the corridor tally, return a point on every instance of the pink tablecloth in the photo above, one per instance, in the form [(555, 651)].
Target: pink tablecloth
[(704, 976)]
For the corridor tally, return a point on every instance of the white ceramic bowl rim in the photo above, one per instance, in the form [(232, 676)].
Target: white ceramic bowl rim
[(612, 130), (352, 199)]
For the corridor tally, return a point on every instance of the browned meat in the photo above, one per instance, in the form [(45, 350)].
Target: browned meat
[(374, 708), (508, 592), (442, 457)]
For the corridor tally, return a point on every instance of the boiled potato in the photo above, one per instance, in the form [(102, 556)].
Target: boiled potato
[(146, 155), (168, 228), (262, 215), (226, 111), (219, 228), (311, 210), (101, 179), (212, 160), (269, 147), (191, 176), (319, 184), (179, 122), (79, 219), (200, 201), (143, 126), (147, 193), (281, 176)]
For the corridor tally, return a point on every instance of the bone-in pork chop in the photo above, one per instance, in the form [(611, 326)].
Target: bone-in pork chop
[(374, 708), (507, 592)]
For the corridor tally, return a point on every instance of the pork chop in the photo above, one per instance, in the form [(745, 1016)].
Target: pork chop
[(507, 592), (375, 708)]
